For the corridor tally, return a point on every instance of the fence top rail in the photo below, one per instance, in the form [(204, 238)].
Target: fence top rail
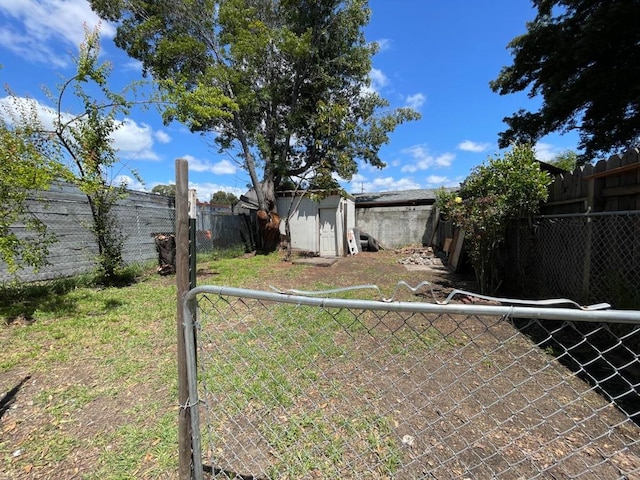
[(537, 311), (590, 214)]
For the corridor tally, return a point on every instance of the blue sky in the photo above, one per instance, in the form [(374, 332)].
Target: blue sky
[(435, 56)]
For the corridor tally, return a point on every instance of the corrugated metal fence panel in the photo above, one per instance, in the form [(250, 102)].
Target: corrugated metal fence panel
[(65, 211)]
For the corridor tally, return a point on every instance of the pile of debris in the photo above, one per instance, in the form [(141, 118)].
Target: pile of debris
[(416, 256), (166, 249)]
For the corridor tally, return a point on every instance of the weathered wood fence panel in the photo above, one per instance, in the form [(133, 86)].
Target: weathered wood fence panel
[(611, 185), (587, 240)]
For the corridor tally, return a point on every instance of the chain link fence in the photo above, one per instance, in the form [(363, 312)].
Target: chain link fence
[(216, 231), (287, 386), (67, 215), (586, 257), (140, 225)]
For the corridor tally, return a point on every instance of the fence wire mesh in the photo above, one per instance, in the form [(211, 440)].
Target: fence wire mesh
[(586, 257), (295, 387), (139, 226), (75, 250)]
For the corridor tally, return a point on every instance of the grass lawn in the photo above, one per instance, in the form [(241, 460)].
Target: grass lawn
[(88, 382), (88, 376)]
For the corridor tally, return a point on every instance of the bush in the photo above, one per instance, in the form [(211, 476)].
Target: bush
[(496, 192)]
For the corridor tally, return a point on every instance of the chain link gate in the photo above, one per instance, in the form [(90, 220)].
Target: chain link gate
[(293, 386)]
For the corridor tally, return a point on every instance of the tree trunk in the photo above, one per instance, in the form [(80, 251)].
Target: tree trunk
[(268, 219)]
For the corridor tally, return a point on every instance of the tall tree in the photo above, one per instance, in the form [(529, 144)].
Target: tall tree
[(168, 190), (583, 58), (226, 198), (82, 143), (285, 82)]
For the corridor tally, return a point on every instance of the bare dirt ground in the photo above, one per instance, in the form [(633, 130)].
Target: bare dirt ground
[(461, 397), (382, 269), (488, 404)]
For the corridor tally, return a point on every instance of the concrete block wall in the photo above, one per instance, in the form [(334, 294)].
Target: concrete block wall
[(397, 226)]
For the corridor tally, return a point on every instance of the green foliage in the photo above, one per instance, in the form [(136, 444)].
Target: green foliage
[(23, 173), (503, 189), (225, 198), (81, 145), (87, 141), (283, 83), (567, 160), (515, 180), (583, 59), (446, 201), (168, 190)]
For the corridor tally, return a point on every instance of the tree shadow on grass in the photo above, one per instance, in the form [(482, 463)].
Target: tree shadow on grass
[(21, 301), (10, 396)]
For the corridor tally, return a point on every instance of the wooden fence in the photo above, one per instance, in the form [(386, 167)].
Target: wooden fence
[(586, 244), (611, 185)]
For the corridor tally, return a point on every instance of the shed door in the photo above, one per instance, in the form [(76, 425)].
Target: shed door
[(327, 232)]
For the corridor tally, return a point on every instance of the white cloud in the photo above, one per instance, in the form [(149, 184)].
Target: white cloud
[(445, 160), (39, 26), (378, 80), (130, 139), (423, 159), (436, 181), (416, 101), (358, 178), (546, 151), (383, 184), (470, 146), (162, 136), (383, 44), (131, 183), (204, 191), (131, 66), (14, 108), (433, 180), (134, 141), (223, 167)]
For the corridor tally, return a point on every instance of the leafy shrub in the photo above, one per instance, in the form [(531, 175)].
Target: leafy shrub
[(496, 192)]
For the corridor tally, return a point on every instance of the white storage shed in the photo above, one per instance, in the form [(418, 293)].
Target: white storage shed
[(318, 226)]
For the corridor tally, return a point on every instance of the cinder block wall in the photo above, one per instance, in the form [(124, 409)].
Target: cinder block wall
[(397, 226)]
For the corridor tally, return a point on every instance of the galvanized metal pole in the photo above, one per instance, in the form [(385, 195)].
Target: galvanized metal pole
[(193, 213), (182, 284)]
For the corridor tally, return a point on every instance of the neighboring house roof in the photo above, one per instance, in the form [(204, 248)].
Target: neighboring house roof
[(552, 169), (419, 197), (400, 198)]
